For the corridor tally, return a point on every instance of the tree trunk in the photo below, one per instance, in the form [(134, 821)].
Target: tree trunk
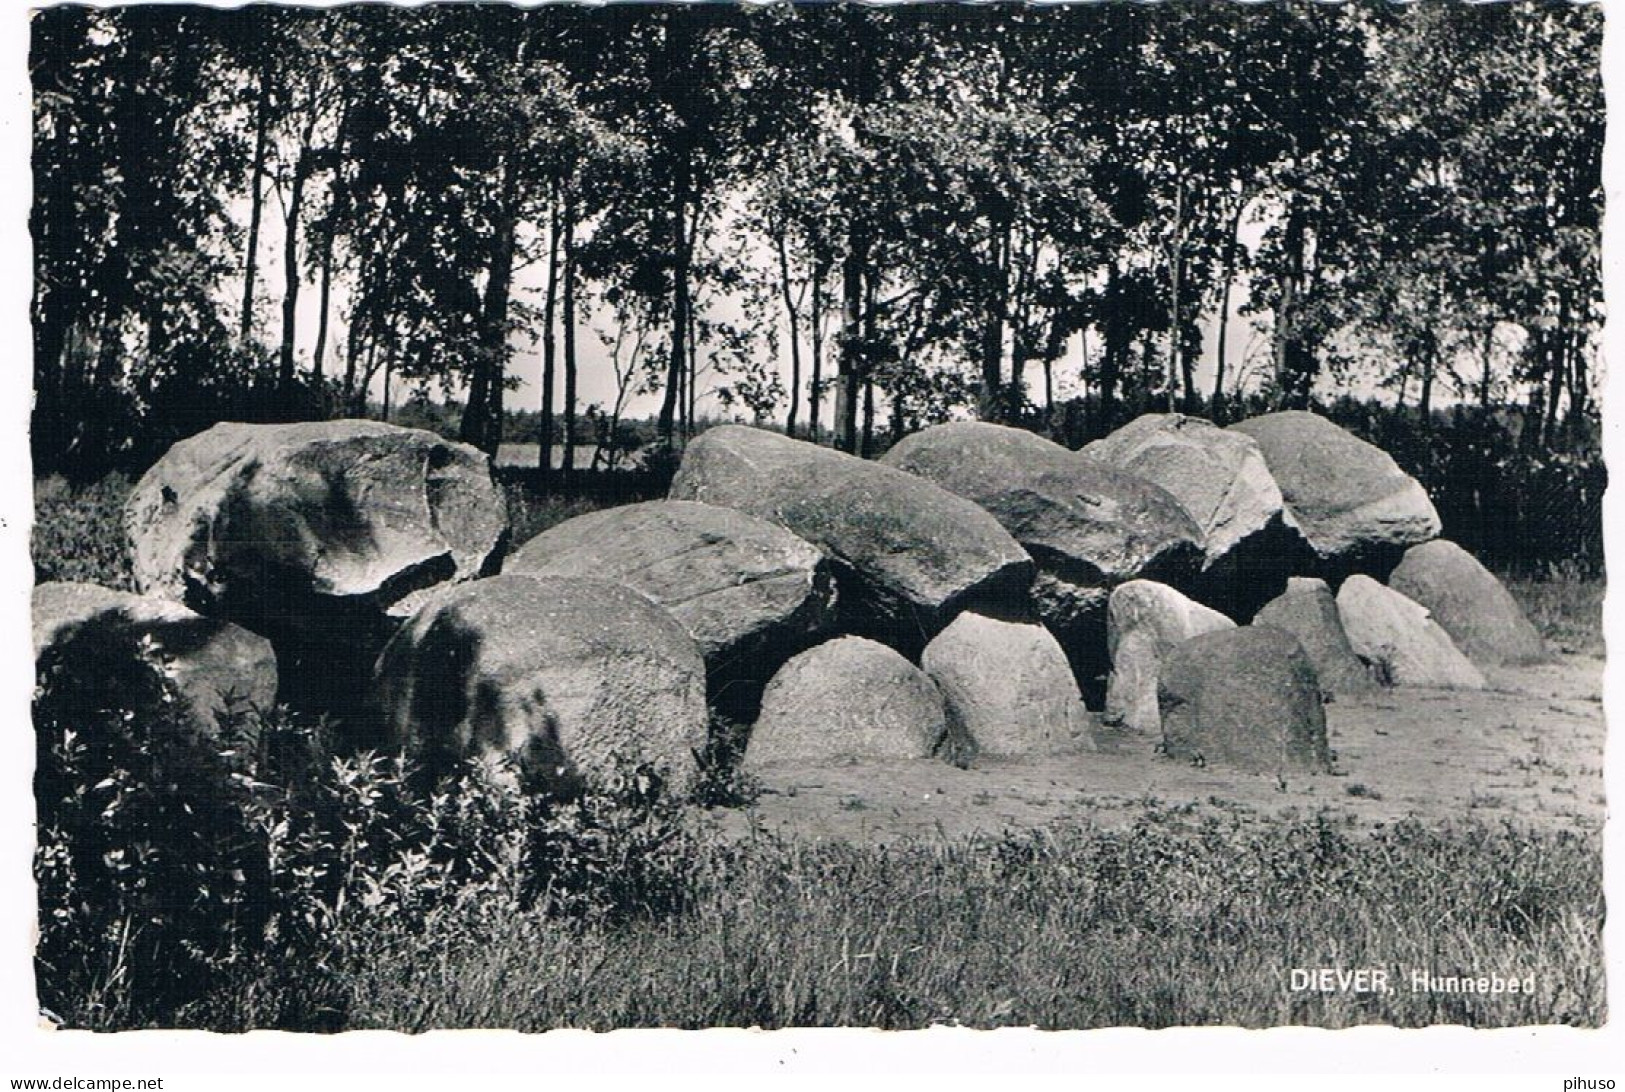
[(1228, 272), (868, 447), (691, 385), (1556, 366), (815, 389), (262, 122), (1117, 336), (352, 337), (794, 316), (290, 270), (569, 340), (370, 369), (1083, 379), (676, 364), (1424, 404), (1176, 265), (482, 421), (852, 364), (1291, 379), (323, 308), (991, 404), (1489, 350), (1578, 384), (544, 453), (1535, 409), (869, 340)]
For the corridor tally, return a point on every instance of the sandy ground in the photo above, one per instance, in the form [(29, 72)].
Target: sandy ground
[(1527, 751)]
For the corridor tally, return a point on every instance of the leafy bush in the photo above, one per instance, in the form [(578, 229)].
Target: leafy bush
[(149, 879), (79, 532), (171, 864), (620, 850)]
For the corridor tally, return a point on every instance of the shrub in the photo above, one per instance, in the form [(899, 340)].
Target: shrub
[(79, 532), (171, 865), (149, 877)]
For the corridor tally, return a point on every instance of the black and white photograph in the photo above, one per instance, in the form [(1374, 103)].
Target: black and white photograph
[(786, 516)]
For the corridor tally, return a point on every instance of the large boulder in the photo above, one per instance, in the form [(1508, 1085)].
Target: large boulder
[(1144, 620), (1245, 698), (1354, 506), (846, 699), (321, 536), (571, 677), (1308, 611), (1218, 476), (1087, 525), (751, 593), (909, 555), (1395, 635), (1469, 603), (269, 523), (1008, 688), (1250, 543), (125, 645)]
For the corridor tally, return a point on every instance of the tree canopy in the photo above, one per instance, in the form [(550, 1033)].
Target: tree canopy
[(851, 220)]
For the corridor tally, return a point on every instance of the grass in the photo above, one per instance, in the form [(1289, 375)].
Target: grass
[(1175, 922), (529, 514), (1565, 606)]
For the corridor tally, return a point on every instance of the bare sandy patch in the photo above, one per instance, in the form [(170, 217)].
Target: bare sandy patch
[(1527, 751)]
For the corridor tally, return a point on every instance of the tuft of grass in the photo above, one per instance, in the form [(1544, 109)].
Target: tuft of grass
[(1565, 605), (530, 513), (79, 532)]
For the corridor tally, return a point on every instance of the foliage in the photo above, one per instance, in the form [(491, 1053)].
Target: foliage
[(148, 878), (928, 202), (170, 863), (259, 879), (79, 532)]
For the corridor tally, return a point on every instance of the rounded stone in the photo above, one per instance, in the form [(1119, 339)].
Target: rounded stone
[(1308, 611), (845, 700), (1244, 698), (1351, 502), (312, 527), (1087, 525), (1008, 688), (573, 678), (1469, 603), (908, 554), (749, 592), (219, 669), (1395, 635), (1144, 620)]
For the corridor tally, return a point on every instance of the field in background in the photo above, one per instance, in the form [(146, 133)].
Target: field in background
[(1184, 902)]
